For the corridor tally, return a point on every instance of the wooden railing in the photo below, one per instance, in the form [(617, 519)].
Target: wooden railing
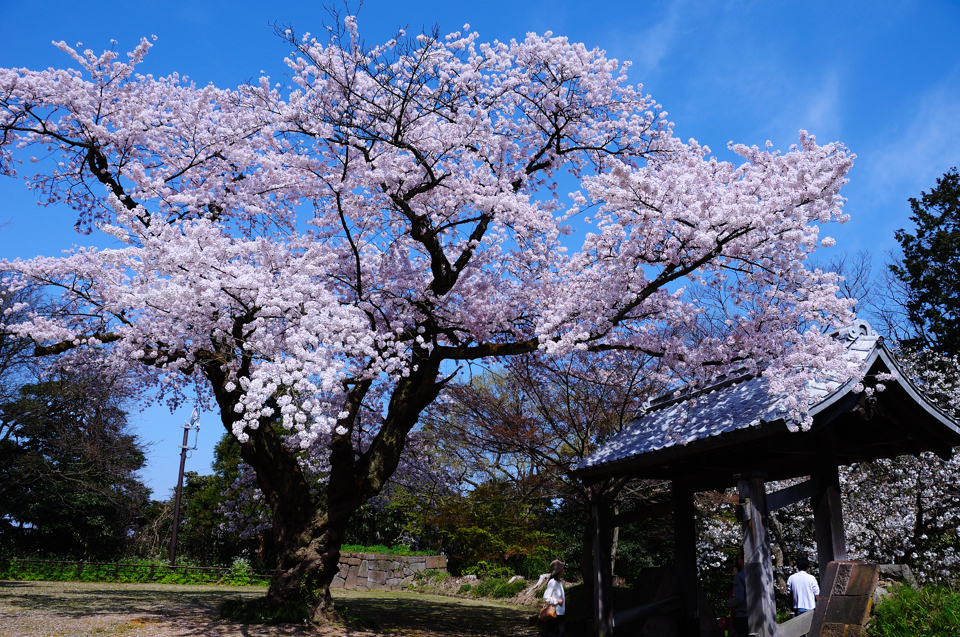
[(796, 627), (113, 571)]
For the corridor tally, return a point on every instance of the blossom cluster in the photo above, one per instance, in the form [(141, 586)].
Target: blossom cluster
[(277, 247)]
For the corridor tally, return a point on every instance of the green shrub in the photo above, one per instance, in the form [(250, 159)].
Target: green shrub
[(131, 571), (512, 589), (494, 587), (932, 611), (463, 590), (485, 570), (485, 587)]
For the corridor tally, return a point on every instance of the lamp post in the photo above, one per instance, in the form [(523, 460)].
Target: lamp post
[(187, 426)]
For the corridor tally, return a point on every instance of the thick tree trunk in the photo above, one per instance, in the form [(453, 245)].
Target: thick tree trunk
[(308, 529), (306, 567)]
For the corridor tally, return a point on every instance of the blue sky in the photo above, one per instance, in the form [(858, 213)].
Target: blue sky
[(881, 77)]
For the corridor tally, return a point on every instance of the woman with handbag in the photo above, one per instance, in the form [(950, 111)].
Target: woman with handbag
[(551, 616)]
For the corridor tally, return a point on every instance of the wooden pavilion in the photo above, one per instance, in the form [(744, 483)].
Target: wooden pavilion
[(735, 432)]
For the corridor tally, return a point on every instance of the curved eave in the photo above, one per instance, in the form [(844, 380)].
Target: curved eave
[(840, 393), (952, 427), (939, 431)]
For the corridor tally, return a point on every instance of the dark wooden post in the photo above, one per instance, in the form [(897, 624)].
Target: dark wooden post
[(602, 575), (827, 506), (685, 550), (758, 562)]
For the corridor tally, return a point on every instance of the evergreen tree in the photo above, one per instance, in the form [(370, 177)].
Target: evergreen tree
[(929, 268), (68, 470)]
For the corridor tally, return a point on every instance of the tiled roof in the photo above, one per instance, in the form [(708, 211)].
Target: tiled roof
[(726, 406)]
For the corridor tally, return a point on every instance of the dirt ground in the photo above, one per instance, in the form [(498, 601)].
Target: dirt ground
[(77, 609)]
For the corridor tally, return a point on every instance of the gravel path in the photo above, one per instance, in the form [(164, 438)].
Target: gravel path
[(78, 609)]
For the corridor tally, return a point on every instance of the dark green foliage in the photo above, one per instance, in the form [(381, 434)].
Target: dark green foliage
[(491, 524), (565, 523), (256, 611), (486, 570), (642, 545), (931, 267), (932, 611), (68, 481), (639, 545), (377, 524), (125, 571), (203, 536), (526, 424)]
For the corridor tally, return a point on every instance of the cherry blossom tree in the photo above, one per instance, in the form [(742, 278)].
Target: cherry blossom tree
[(906, 510), (318, 260)]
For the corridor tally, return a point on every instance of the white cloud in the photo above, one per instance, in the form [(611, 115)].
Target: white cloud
[(653, 44), (927, 145)]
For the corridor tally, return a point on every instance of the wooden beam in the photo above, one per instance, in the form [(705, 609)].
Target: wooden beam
[(791, 495), (758, 562), (685, 552), (796, 627), (602, 575), (827, 505)]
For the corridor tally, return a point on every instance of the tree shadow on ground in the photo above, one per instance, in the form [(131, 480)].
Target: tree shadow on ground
[(192, 611), (87, 598), (423, 615)]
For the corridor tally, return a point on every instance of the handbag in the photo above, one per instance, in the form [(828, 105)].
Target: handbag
[(549, 611)]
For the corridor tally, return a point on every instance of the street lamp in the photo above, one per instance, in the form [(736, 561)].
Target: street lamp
[(187, 426)]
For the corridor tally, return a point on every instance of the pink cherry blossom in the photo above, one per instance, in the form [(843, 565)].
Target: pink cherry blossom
[(312, 254)]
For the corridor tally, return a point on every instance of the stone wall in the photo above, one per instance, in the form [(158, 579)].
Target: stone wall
[(376, 572)]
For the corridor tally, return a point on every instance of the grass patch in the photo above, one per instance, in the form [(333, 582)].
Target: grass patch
[(426, 576), (256, 611), (399, 549), (932, 611)]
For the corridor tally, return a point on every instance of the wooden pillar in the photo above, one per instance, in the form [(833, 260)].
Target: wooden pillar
[(602, 573), (685, 550), (758, 562), (827, 506)]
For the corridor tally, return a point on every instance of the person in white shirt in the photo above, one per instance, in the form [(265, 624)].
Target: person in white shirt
[(803, 587), (554, 595)]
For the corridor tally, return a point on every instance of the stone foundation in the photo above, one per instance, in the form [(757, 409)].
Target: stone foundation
[(846, 598), (376, 572)]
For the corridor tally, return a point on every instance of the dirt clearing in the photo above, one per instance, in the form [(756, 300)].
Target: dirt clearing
[(79, 609)]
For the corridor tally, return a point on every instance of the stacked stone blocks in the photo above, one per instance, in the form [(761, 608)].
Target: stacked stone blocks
[(378, 572), (846, 592)]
